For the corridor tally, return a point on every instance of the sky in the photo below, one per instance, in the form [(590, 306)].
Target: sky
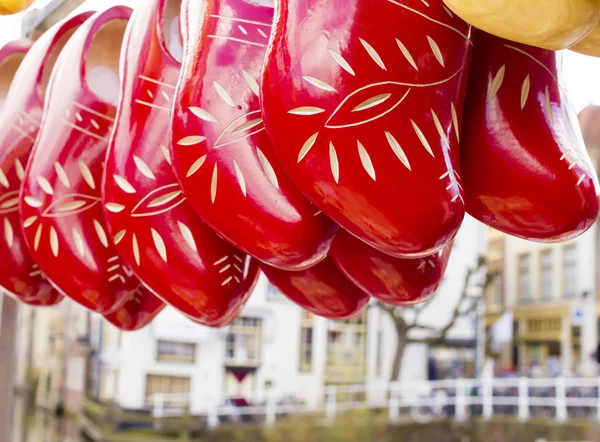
[(580, 75)]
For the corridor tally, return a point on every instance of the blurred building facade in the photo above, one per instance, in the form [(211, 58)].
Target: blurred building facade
[(273, 348), (551, 291)]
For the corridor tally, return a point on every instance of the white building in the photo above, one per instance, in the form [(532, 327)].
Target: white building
[(274, 347)]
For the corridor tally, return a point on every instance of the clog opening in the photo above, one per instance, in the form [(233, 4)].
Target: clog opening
[(171, 29), (8, 69), (102, 65), (51, 61)]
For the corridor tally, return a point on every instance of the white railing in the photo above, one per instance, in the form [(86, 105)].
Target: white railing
[(421, 401)]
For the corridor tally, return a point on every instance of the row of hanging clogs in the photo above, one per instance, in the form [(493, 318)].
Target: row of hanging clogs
[(322, 144)]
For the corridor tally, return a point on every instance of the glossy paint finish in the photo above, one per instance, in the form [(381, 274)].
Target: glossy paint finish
[(550, 24), (61, 208), (221, 152), (362, 100), (395, 281), (156, 231), (322, 290), (526, 169), (137, 312), (22, 111)]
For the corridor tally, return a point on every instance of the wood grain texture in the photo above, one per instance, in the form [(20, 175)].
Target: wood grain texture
[(549, 24)]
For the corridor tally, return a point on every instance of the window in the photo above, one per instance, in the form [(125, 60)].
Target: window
[(175, 388), (569, 271), (523, 280), (347, 350), (176, 352), (306, 341), (494, 290), (244, 342), (546, 275)]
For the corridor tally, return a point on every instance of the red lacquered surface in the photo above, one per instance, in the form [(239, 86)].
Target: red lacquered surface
[(221, 152), (158, 234), (20, 275), (322, 290), (137, 312), (61, 207), (526, 169), (395, 281), (362, 100)]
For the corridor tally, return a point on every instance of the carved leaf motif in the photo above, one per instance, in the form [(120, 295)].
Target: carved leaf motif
[(367, 104), (159, 201), (240, 128), (70, 204), (9, 202)]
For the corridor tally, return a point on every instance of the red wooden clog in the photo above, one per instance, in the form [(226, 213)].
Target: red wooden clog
[(221, 152), (155, 230), (526, 169), (395, 281), (19, 125), (362, 100), (137, 312), (322, 290), (61, 208)]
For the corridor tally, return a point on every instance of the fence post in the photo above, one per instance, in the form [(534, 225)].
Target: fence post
[(461, 400), (271, 414), (487, 392), (523, 399), (561, 400), (598, 403), (394, 403), (331, 403), (213, 413)]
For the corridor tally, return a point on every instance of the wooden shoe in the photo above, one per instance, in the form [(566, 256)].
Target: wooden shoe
[(362, 100), (61, 207), (221, 152), (20, 275), (137, 312), (395, 281), (525, 166), (322, 290), (549, 24), (156, 231)]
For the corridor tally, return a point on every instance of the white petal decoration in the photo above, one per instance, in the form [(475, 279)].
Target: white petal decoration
[(307, 146), (19, 169), (143, 167), (213, 185), (223, 94), (197, 165), (365, 159), (3, 179), (32, 202), (334, 164), (119, 236), (373, 54), (87, 174), (436, 50), (37, 238), (136, 249), (422, 138), (240, 177), (123, 184), (339, 59), (101, 233), (45, 185), (53, 241), (190, 141), (9, 234), (203, 115), (62, 175), (251, 82), (306, 110), (159, 244), (79, 244), (407, 54), (267, 168), (188, 236), (319, 84), (114, 207), (29, 221), (397, 149)]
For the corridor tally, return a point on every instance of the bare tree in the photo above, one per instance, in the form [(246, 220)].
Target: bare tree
[(407, 323)]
